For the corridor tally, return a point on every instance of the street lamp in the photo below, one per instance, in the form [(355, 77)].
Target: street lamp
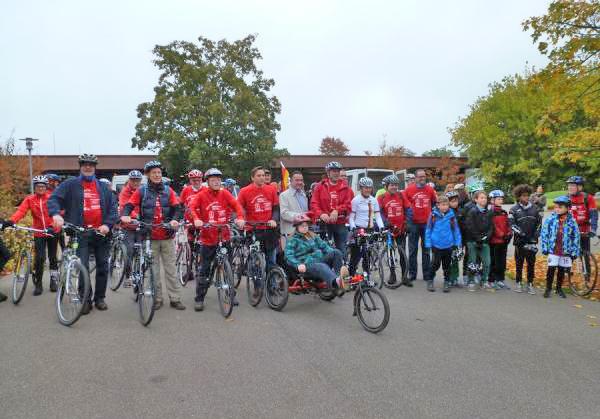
[(29, 147)]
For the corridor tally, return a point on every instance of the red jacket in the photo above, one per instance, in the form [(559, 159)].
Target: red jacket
[(39, 211), (502, 231), (124, 197), (393, 210), (186, 196), (327, 197), (580, 210), (421, 202), (214, 207)]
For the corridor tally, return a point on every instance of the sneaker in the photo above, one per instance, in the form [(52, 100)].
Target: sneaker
[(87, 307), (101, 305), (38, 290), (157, 304), (199, 306), (518, 287), (177, 305), (547, 293), (430, 287), (501, 285), (407, 283), (530, 289), (561, 293), (487, 285), (471, 286), (446, 287), (53, 281)]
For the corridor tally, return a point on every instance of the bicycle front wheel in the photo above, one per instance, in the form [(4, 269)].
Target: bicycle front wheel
[(21, 275), (276, 288), (376, 267), (372, 308), (583, 275), (255, 278), (394, 259), (73, 292), (146, 289), (237, 265), (183, 261), (223, 280), (116, 265)]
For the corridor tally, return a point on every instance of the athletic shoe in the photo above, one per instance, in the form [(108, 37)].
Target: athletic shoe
[(518, 287), (430, 286), (487, 285), (472, 286), (446, 287), (561, 293), (530, 289), (547, 293)]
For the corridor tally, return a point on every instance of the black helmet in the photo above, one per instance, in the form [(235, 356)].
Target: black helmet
[(578, 180), (88, 158), (152, 164)]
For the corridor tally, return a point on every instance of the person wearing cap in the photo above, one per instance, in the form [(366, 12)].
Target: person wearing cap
[(191, 189), (213, 205), (560, 241), (331, 203), (499, 240), (293, 204), (525, 221), (37, 205), (306, 252), (421, 198), (442, 237), (159, 205), (457, 254), (89, 203)]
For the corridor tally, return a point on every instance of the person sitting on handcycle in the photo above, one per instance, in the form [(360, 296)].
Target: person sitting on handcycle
[(308, 254)]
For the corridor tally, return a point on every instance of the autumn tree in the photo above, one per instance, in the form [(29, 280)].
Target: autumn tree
[(439, 152), (212, 107), (389, 156), (331, 146)]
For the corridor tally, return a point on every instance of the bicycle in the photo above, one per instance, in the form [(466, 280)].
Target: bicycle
[(255, 266), (22, 269), (221, 273), (238, 256), (183, 254), (74, 280), (583, 275), (142, 275), (369, 243), (393, 256), (117, 259)]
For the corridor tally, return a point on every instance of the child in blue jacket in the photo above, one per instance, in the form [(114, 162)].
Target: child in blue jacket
[(560, 242), (442, 236)]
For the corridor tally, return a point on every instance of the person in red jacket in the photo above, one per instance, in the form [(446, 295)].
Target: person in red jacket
[(37, 205), (260, 203), (191, 189), (213, 205), (499, 240), (393, 206), (331, 203), (421, 198), (133, 183)]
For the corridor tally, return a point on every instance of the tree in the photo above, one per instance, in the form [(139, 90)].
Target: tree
[(389, 156), (439, 152), (511, 135), (212, 107), (14, 182), (331, 146)]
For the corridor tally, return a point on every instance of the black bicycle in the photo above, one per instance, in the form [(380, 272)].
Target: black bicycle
[(255, 265), (394, 258), (583, 275), (370, 248), (117, 259), (221, 274)]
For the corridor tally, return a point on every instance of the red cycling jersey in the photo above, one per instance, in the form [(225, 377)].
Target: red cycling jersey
[(393, 209), (421, 201), (214, 207), (258, 202), (580, 210), (39, 211)]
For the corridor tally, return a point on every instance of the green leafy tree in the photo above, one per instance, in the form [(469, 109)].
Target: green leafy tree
[(212, 107), (439, 152)]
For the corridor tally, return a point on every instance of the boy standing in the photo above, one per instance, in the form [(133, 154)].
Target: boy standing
[(478, 230), (499, 240)]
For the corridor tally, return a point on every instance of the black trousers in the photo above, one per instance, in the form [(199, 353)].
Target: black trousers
[(443, 258), (40, 245), (523, 255), (560, 276), (89, 243), (5, 255), (498, 259)]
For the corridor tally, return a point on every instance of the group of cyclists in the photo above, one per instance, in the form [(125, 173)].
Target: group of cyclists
[(447, 226)]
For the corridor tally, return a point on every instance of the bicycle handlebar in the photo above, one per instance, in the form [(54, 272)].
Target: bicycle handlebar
[(48, 232)]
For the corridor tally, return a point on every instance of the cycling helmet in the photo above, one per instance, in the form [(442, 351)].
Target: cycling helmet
[(410, 176), (195, 174), (365, 182), (40, 180), (451, 194), (578, 180), (333, 165), (390, 180), (152, 164), (459, 186), (135, 174), (475, 187), (562, 200), (496, 194), (229, 182), (88, 158), (213, 172), (106, 181), (53, 176)]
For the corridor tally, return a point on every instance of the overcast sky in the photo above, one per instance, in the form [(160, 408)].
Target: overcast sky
[(408, 69)]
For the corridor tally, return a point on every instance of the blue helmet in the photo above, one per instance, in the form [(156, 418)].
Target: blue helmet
[(562, 200), (578, 180), (497, 193), (152, 164), (135, 174), (53, 176), (229, 182)]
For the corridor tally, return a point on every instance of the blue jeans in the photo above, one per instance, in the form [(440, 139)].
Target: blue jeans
[(339, 232), (327, 270), (416, 232)]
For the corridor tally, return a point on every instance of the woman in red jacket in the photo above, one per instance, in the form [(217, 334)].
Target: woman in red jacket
[(36, 204)]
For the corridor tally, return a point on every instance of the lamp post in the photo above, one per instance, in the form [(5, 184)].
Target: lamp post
[(29, 146)]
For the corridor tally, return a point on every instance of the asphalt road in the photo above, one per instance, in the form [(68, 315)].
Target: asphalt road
[(458, 355)]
